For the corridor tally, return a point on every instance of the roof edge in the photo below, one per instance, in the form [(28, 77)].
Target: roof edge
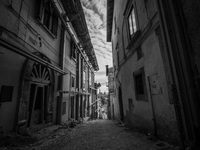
[(110, 8)]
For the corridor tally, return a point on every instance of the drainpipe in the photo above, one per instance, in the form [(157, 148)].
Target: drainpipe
[(60, 77)]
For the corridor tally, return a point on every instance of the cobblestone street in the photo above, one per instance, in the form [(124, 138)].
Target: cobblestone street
[(97, 135)]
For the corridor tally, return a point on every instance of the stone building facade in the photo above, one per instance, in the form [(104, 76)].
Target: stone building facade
[(142, 85), (155, 50), (45, 67), (113, 105)]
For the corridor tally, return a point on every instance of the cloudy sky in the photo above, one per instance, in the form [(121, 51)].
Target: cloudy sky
[(95, 14)]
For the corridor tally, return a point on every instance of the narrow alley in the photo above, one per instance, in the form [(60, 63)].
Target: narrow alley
[(99, 74), (97, 135)]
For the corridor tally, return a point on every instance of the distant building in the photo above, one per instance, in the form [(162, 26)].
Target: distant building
[(47, 64), (155, 46), (102, 105), (113, 105)]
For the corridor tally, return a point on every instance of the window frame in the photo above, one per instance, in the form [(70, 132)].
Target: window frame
[(52, 26), (140, 97), (128, 9), (130, 14), (73, 51), (73, 80)]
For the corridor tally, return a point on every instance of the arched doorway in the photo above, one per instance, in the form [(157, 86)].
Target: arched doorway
[(39, 91), (36, 100)]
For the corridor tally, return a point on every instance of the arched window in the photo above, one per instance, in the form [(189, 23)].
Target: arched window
[(40, 74)]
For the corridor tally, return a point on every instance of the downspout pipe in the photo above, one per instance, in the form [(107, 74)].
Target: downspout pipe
[(61, 77)]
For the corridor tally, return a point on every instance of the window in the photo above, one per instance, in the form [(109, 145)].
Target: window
[(132, 22), (140, 86), (72, 81), (48, 16), (73, 50)]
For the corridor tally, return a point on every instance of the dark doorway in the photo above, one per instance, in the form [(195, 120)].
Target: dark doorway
[(72, 107), (81, 106), (37, 105), (121, 105), (77, 107)]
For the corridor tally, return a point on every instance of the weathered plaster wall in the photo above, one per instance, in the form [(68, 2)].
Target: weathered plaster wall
[(139, 113), (10, 66), (20, 26)]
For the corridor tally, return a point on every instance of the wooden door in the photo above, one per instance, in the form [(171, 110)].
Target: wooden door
[(37, 105)]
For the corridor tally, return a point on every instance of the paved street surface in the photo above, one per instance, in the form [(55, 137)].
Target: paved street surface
[(101, 135), (90, 135)]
